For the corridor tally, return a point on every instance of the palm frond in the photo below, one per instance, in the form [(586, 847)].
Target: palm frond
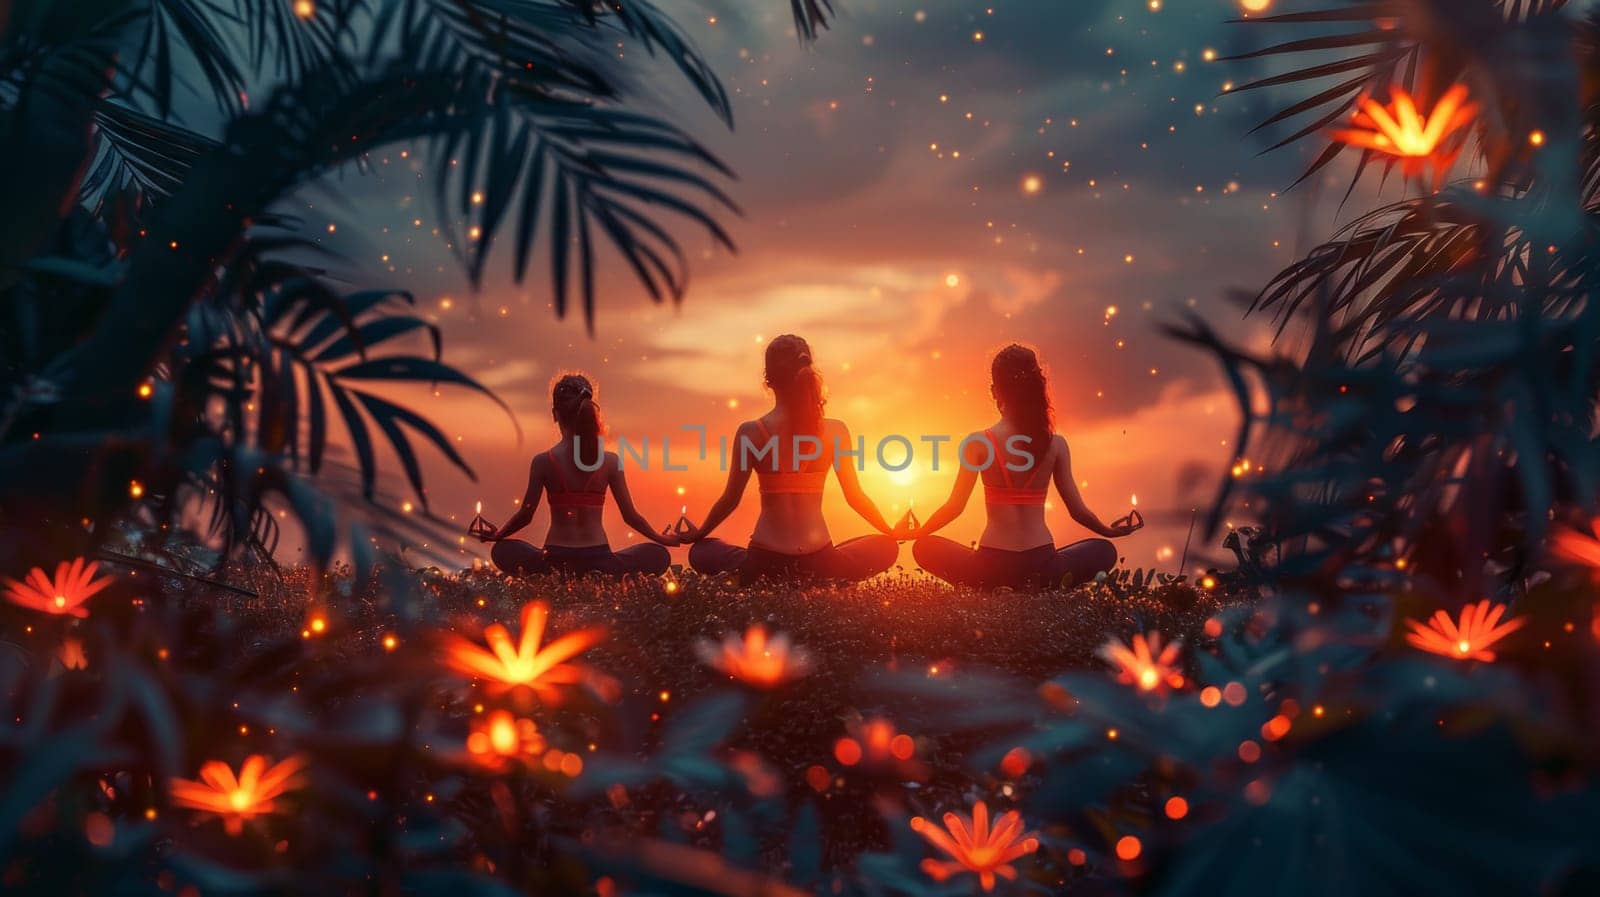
[(315, 345), (187, 30), (140, 151), (573, 170), (292, 45), (1411, 263), (554, 145), (811, 17), (302, 132), (653, 30)]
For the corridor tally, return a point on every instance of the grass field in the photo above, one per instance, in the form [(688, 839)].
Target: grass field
[(785, 738)]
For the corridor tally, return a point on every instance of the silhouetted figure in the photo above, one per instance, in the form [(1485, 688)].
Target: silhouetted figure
[(791, 449), (576, 542), (1016, 547)]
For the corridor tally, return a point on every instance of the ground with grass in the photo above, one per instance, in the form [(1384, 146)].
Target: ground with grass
[(784, 746)]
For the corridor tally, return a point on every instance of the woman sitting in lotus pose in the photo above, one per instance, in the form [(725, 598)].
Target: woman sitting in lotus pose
[(576, 542), (791, 449), (1016, 547)]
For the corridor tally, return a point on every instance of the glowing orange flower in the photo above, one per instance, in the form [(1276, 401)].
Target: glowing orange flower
[(242, 798), (755, 659), (973, 847), (1401, 131), (74, 584), (1471, 638), (507, 666), (1145, 664)]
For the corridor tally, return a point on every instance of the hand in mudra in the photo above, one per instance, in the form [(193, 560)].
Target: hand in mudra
[(685, 532), (1132, 523)]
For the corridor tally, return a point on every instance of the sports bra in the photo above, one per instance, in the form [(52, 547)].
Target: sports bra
[(1010, 493), (585, 496), (787, 482)]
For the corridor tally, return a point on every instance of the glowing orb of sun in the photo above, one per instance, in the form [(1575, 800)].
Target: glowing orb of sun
[(1254, 5)]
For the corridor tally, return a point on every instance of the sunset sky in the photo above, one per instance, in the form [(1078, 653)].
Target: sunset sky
[(928, 182)]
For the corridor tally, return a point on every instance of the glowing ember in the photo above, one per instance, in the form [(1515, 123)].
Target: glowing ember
[(1401, 131), (1144, 663), (755, 659), (1470, 639), (974, 847), (242, 798), (1128, 848), (74, 584), (506, 665), (305, 9)]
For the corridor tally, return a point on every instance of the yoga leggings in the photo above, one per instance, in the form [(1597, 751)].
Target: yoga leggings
[(991, 567), (521, 559), (852, 560)]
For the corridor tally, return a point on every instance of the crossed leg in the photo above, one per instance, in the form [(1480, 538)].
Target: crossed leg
[(1082, 560), (957, 564), (860, 558), (947, 559), (519, 558), (714, 557), (646, 557)]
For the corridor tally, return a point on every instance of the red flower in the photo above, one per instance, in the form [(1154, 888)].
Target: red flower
[(1145, 664), (238, 799), (756, 659), (1471, 638), (973, 847), (506, 665), (74, 584)]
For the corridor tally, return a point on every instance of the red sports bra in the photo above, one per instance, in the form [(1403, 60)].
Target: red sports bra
[(787, 482), (1010, 493), (585, 496)]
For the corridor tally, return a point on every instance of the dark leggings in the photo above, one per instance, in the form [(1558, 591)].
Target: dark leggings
[(853, 560), (990, 567), (521, 559)]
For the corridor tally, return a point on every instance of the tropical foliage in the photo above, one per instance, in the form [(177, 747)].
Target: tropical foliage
[(175, 346), (1436, 348), (1428, 411)]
